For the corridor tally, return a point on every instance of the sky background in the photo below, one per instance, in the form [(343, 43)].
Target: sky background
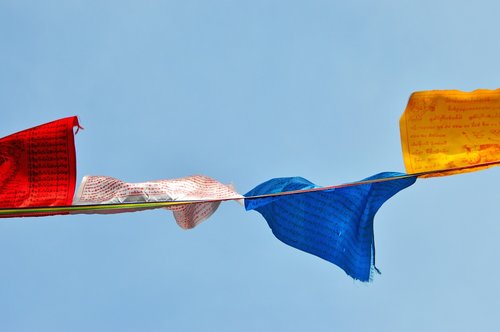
[(244, 91)]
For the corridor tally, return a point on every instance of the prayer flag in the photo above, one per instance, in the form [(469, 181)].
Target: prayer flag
[(108, 190), (334, 224), (38, 166), (451, 130), (442, 133)]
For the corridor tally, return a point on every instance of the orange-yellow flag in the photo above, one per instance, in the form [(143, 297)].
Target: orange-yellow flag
[(451, 130)]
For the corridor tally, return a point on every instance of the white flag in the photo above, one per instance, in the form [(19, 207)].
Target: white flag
[(108, 190)]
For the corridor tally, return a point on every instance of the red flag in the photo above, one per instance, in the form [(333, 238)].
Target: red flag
[(38, 166)]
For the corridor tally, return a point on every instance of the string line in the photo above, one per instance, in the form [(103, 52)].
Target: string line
[(75, 209)]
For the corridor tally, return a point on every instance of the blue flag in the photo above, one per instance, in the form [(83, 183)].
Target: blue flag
[(334, 224)]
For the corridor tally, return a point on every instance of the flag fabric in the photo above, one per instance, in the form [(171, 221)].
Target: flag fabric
[(442, 133), (108, 190), (38, 166), (451, 130), (334, 224)]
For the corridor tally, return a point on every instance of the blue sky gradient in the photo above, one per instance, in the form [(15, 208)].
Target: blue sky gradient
[(244, 91)]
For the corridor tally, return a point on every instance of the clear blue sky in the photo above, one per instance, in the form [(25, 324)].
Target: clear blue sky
[(244, 91)]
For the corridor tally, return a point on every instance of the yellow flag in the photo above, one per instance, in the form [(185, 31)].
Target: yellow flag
[(451, 130)]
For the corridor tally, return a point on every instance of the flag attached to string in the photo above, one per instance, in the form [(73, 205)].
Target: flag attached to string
[(108, 190), (451, 130), (38, 166), (442, 133), (334, 224)]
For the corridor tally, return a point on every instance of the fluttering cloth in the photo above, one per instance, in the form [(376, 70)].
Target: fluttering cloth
[(334, 224), (38, 166), (108, 190), (452, 131), (442, 133)]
